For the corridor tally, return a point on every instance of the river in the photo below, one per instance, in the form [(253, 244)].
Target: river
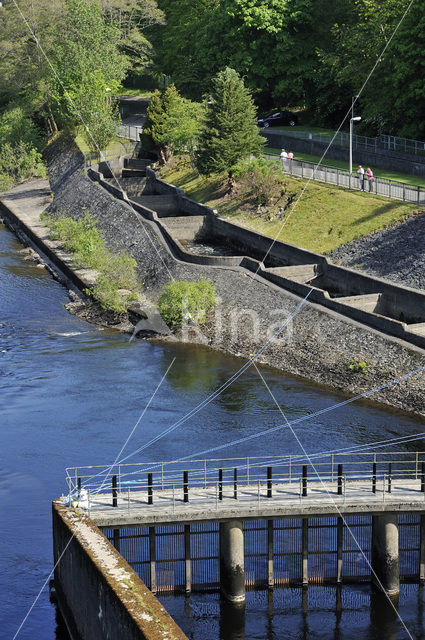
[(71, 393)]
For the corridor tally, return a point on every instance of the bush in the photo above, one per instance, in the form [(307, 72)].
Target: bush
[(80, 237), (117, 285), (260, 178), (16, 127), (21, 161), (184, 300)]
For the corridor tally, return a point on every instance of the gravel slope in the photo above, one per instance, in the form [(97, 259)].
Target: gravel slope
[(395, 253)]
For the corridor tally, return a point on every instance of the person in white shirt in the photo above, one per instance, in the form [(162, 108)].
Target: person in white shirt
[(283, 156), (360, 171)]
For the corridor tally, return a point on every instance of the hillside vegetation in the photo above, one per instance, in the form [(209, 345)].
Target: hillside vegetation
[(324, 218)]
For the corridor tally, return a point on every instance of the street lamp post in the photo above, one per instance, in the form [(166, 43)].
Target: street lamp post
[(354, 119)]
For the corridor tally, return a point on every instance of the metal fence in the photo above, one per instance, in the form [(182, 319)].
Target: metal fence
[(129, 131), (341, 178), (186, 557), (251, 471), (363, 143), (405, 145)]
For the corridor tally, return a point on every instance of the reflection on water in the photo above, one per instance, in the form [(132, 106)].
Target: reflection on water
[(315, 613), (70, 395)]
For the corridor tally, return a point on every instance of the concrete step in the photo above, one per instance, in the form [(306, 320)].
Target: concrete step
[(301, 273), (367, 302), (185, 227), (418, 328), (136, 163), (163, 205), (133, 173)]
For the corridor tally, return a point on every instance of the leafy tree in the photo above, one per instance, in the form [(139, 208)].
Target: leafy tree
[(231, 131), (88, 67), (132, 18), (173, 124)]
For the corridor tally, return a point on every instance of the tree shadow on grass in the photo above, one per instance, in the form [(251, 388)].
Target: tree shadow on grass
[(386, 208)]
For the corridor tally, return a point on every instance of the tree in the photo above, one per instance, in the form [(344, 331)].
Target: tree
[(173, 124), (231, 132), (132, 18), (88, 67)]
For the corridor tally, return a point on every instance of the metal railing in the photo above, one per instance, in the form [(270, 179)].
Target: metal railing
[(341, 178), (246, 472), (405, 145), (363, 143), (129, 131)]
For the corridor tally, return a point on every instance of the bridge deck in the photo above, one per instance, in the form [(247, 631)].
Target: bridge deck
[(204, 506)]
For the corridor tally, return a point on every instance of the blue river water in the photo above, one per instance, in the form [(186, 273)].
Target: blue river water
[(70, 395)]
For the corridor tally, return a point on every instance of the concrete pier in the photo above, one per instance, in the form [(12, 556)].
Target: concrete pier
[(232, 569), (385, 550)]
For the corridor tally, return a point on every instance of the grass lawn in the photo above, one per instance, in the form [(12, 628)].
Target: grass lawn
[(135, 93), (117, 146), (323, 218), (340, 164)]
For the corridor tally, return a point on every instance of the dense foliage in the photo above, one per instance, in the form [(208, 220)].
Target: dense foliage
[(116, 284), (231, 131), (303, 53), (183, 301), (20, 141)]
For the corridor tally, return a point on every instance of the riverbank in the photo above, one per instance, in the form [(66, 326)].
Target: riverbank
[(22, 208), (318, 344)]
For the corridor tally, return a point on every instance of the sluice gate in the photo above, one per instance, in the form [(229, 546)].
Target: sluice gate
[(277, 553)]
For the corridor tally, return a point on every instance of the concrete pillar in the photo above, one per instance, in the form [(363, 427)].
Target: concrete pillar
[(385, 552), (232, 570)]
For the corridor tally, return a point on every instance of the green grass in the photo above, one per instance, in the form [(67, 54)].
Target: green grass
[(135, 93), (324, 217), (340, 164), (305, 128), (117, 146)]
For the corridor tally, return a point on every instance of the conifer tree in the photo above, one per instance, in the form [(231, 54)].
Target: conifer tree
[(231, 133)]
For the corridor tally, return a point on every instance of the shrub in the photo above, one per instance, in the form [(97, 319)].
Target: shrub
[(117, 285), (358, 366), (260, 178), (21, 161), (183, 300), (81, 237)]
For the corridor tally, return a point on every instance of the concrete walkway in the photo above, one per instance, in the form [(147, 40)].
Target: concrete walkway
[(322, 500), (23, 206), (28, 200)]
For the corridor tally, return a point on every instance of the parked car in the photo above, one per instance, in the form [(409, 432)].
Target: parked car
[(278, 118)]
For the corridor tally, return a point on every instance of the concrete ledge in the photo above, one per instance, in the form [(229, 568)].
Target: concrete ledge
[(97, 587)]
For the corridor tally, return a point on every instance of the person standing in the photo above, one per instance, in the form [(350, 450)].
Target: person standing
[(283, 155), (369, 176), (290, 155), (360, 171)]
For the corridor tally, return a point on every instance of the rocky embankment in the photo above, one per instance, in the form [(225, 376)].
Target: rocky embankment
[(395, 253)]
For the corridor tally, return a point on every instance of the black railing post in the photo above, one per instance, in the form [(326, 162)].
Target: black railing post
[(269, 482), (185, 486), (423, 477), (304, 480), (374, 478), (220, 484), (235, 484), (340, 479), (114, 492), (389, 477), (79, 485), (150, 492)]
